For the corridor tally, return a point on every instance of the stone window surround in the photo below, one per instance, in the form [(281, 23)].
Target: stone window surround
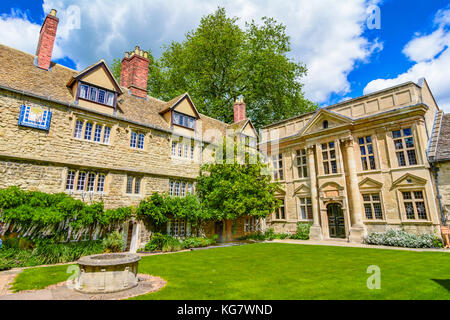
[(374, 219), (404, 150), (133, 186), (75, 182), (186, 149), (94, 123), (297, 167), (367, 155), (401, 206), (391, 145), (274, 219), (130, 130), (306, 205)]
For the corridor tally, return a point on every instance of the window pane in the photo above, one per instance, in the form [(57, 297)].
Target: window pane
[(401, 159), (421, 212), (93, 94), (366, 197), (397, 134), (361, 140), (303, 208), (110, 99), (106, 135), (407, 132), (325, 155), (364, 164), (171, 188), (91, 182), (141, 141), (409, 142), (369, 149), (368, 210), (378, 212), (137, 186), (406, 195), (418, 195), (78, 129), (372, 162), (332, 154), (98, 133), (101, 96), (363, 150), (369, 139), (81, 181), (326, 168), (331, 144), (84, 91), (101, 183), (409, 210), (129, 185), (70, 180), (376, 197), (398, 144), (174, 148), (133, 139), (88, 131), (412, 157), (333, 167)]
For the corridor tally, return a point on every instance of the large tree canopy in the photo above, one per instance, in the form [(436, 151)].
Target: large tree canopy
[(220, 61)]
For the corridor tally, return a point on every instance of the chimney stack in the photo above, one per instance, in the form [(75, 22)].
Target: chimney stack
[(47, 40), (239, 110), (134, 73)]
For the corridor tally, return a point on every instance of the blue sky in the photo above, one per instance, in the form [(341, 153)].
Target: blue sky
[(345, 58)]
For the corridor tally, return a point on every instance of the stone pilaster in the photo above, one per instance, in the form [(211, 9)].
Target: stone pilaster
[(316, 230), (356, 225)]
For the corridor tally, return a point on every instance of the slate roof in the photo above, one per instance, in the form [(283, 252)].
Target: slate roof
[(443, 147), (18, 71)]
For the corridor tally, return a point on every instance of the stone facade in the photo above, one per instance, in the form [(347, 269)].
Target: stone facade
[(351, 152)]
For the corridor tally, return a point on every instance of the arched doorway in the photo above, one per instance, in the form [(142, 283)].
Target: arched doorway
[(336, 221)]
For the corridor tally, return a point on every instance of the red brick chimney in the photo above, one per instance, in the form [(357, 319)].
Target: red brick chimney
[(47, 40), (134, 73), (239, 110)]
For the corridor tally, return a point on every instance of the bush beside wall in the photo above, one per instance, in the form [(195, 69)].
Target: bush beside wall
[(400, 238)]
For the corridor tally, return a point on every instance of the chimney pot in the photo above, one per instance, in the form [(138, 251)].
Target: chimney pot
[(53, 12)]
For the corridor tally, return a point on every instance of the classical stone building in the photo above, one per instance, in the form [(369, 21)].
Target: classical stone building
[(360, 166), (87, 135)]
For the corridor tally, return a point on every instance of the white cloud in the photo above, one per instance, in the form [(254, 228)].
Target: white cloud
[(326, 35), (431, 54)]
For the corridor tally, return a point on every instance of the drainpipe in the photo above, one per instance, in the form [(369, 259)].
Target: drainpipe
[(435, 171)]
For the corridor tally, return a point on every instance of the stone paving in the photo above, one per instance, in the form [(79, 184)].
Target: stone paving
[(62, 291)]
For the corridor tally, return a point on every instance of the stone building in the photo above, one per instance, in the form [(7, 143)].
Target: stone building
[(359, 166), (98, 140)]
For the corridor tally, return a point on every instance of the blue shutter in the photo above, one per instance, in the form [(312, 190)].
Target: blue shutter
[(49, 119), (21, 114)]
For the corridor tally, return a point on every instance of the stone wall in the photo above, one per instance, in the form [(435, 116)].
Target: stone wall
[(444, 187)]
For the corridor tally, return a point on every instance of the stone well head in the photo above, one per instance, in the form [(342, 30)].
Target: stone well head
[(107, 273)]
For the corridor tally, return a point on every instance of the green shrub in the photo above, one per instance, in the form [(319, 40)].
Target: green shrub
[(47, 252), (303, 230), (159, 241), (400, 238), (34, 215), (197, 242), (113, 242)]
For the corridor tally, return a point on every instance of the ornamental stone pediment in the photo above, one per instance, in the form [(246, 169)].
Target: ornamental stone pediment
[(408, 180), (369, 183), (317, 122)]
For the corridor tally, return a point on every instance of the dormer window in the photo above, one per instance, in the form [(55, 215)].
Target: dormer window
[(95, 94), (183, 120)]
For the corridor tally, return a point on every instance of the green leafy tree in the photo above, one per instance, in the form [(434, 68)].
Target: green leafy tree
[(220, 61), (229, 189)]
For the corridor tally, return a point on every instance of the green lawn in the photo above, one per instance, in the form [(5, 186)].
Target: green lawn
[(287, 271)]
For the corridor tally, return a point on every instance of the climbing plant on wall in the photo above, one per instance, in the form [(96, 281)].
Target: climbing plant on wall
[(34, 214)]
